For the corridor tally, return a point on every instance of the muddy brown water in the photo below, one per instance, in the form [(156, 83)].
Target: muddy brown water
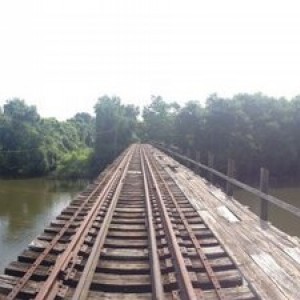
[(26, 207), (277, 216)]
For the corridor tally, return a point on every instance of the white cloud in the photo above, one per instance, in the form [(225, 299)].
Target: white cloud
[(62, 55)]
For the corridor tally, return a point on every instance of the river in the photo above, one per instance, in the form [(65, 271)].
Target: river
[(277, 216), (26, 207)]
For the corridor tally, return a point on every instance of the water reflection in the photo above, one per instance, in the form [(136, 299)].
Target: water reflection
[(26, 207)]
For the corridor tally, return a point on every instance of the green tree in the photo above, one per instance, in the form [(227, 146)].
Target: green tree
[(18, 111), (85, 125), (33, 146), (115, 129), (159, 120), (189, 127)]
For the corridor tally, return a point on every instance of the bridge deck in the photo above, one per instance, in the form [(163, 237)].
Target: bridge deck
[(267, 257), (149, 228)]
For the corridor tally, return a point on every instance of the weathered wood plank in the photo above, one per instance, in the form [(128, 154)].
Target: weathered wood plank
[(120, 253), (294, 253), (284, 282), (8, 282), (243, 235), (224, 212)]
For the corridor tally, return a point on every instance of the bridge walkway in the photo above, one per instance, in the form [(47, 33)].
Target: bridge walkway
[(266, 256), (150, 228)]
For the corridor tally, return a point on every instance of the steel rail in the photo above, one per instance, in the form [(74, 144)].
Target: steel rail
[(184, 280), (83, 286), (25, 278), (157, 285), (73, 248), (210, 272)]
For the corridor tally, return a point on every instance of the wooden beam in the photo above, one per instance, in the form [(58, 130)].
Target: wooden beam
[(230, 173), (197, 168), (264, 187), (211, 159), (278, 202)]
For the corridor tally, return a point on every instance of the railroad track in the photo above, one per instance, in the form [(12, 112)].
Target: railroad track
[(133, 234)]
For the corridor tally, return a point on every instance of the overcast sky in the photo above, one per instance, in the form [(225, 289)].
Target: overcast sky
[(62, 55)]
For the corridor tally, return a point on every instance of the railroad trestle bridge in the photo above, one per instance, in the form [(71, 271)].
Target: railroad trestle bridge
[(150, 228)]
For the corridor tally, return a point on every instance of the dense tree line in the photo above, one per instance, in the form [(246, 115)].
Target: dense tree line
[(116, 127), (254, 130), (35, 146), (79, 147)]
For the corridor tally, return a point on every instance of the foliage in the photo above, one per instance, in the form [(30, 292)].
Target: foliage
[(33, 146), (159, 118), (254, 130), (189, 126), (75, 164), (85, 125), (115, 129)]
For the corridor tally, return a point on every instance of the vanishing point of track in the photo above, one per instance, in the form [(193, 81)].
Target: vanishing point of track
[(132, 234)]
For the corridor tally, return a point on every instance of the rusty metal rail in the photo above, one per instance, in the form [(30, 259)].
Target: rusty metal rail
[(85, 281), (185, 283), (157, 284), (134, 235), (58, 268), (210, 272)]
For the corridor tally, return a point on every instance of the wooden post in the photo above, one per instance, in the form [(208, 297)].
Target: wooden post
[(197, 169), (264, 187), (171, 154), (181, 152), (211, 158), (188, 154), (230, 173)]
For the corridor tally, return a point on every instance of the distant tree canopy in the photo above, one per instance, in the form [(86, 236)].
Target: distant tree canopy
[(159, 119), (34, 146), (116, 126), (254, 130)]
